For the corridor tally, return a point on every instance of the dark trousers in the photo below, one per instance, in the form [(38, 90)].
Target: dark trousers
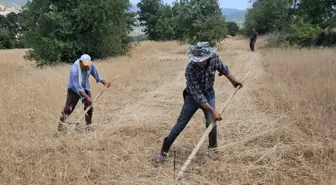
[(70, 104), (252, 42), (189, 108)]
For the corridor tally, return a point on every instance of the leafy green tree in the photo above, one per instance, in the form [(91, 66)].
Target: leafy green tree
[(187, 20), (319, 12), (60, 31), (10, 26), (233, 28), (5, 39), (304, 34), (165, 26), (199, 20), (149, 16), (296, 22), (267, 16)]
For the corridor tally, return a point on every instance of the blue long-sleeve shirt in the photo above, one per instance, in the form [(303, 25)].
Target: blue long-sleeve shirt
[(73, 82)]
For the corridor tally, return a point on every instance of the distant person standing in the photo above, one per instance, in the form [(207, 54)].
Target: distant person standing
[(253, 39)]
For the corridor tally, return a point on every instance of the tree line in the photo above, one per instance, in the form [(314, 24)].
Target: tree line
[(185, 21), (60, 31), (10, 30), (301, 23)]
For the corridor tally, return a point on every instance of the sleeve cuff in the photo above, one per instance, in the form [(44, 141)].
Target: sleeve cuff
[(225, 70), (99, 80)]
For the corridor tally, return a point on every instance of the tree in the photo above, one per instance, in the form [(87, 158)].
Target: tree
[(296, 22), (149, 15), (11, 28), (304, 34), (319, 13), (165, 26), (60, 31), (187, 20), (267, 16), (232, 28), (200, 20), (5, 39)]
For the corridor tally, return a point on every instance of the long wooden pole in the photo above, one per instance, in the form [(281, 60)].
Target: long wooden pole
[(88, 108), (206, 133)]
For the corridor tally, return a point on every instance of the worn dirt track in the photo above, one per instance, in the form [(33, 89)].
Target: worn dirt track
[(131, 119)]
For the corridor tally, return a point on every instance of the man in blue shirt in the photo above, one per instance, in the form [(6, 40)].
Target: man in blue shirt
[(199, 93), (79, 88)]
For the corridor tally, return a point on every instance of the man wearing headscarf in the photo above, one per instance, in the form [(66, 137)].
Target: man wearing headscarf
[(79, 88)]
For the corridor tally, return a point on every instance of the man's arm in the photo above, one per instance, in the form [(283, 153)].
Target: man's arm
[(224, 70), (95, 74), (233, 80), (74, 78), (97, 77)]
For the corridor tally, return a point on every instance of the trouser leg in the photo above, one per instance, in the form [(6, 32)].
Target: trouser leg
[(88, 115), (70, 104), (252, 45), (213, 133), (208, 120), (188, 110)]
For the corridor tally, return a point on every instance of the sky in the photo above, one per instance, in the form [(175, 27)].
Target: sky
[(236, 4)]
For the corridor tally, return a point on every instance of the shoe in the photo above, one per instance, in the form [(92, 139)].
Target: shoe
[(212, 148), (61, 128), (164, 151), (89, 128), (161, 158), (213, 153)]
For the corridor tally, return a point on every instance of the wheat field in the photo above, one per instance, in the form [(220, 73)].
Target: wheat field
[(278, 129)]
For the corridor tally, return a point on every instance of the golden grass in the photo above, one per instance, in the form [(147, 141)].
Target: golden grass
[(32, 100), (299, 92), (279, 129)]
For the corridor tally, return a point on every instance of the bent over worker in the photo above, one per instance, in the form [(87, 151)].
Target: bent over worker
[(79, 88), (199, 93)]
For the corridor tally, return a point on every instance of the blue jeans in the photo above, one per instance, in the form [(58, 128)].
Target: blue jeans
[(188, 110)]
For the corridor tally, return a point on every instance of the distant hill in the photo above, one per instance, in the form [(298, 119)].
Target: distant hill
[(14, 3), (229, 13), (234, 14)]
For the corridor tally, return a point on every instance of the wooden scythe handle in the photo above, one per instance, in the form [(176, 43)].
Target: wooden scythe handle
[(206, 133)]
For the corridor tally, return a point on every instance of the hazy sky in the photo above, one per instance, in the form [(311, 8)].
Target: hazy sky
[(237, 4)]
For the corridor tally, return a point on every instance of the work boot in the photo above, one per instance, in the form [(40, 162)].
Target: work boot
[(89, 128), (88, 118), (164, 151), (212, 148), (61, 128)]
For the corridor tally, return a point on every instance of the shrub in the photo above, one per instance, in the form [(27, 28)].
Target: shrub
[(233, 28), (303, 34)]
